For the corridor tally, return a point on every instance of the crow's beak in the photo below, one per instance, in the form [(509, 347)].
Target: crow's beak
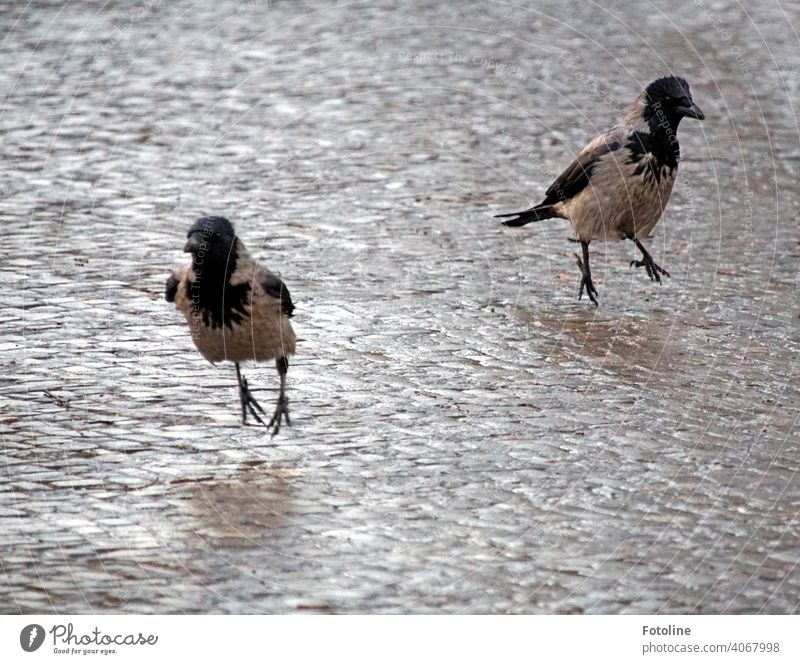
[(692, 111), (192, 244)]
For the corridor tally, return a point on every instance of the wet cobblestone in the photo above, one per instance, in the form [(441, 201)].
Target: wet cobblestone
[(467, 437)]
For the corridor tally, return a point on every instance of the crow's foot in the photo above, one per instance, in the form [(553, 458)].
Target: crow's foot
[(281, 410), (654, 271), (586, 282), (249, 403)]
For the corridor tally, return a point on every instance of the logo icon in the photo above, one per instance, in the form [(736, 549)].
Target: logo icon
[(31, 637)]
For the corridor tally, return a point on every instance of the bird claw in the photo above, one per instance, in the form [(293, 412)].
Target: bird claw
[(591, 291), (654, 271), (281, 409), (586, 283), (249, 403)]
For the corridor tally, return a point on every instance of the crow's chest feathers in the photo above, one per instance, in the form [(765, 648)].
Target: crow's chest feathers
[(218, 304), (654, 154)]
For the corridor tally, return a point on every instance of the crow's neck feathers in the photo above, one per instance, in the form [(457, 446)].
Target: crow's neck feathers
[(652, 137), (635, 115), (245, 266), (217, 290)]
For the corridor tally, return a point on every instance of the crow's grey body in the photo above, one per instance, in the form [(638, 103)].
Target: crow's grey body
[(618, 202), (262, 331), (619, 184), (236, 309)]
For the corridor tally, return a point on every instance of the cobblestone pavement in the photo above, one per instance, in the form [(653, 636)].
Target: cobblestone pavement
[(467, 436)]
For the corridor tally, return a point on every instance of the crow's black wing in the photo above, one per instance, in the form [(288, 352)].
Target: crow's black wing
[(274, 287), (172, 288), (577, 175)]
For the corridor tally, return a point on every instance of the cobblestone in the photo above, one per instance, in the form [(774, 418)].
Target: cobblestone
[(466, 436)]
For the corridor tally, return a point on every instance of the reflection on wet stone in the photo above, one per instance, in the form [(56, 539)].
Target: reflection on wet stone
[(467, 437)]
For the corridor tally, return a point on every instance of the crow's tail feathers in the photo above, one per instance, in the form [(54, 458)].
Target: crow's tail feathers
[(538, 213)]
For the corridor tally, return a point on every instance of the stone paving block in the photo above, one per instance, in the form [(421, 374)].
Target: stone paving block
[(467, 437)]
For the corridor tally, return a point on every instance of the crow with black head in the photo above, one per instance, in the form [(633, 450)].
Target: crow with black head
[(237, 310), (619, 184)]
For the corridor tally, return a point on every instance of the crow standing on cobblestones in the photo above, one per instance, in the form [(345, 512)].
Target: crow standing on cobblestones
[(619, 184), (237, 310)]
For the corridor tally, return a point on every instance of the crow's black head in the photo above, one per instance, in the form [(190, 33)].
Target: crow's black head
[(215, 251), (211, 241), (668, 100)]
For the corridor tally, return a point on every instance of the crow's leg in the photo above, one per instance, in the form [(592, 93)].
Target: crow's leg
[(653, 271), (247, 399), (586, 274), (282, 407)]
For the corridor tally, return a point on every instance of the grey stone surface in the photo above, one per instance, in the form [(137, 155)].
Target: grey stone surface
[(467, 436)]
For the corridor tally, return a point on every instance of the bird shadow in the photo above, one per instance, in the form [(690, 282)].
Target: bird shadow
[(620, 342), (240, 512)]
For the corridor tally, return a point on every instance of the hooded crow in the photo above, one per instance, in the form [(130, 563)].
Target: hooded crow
[(237, 310), (619, 184)]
